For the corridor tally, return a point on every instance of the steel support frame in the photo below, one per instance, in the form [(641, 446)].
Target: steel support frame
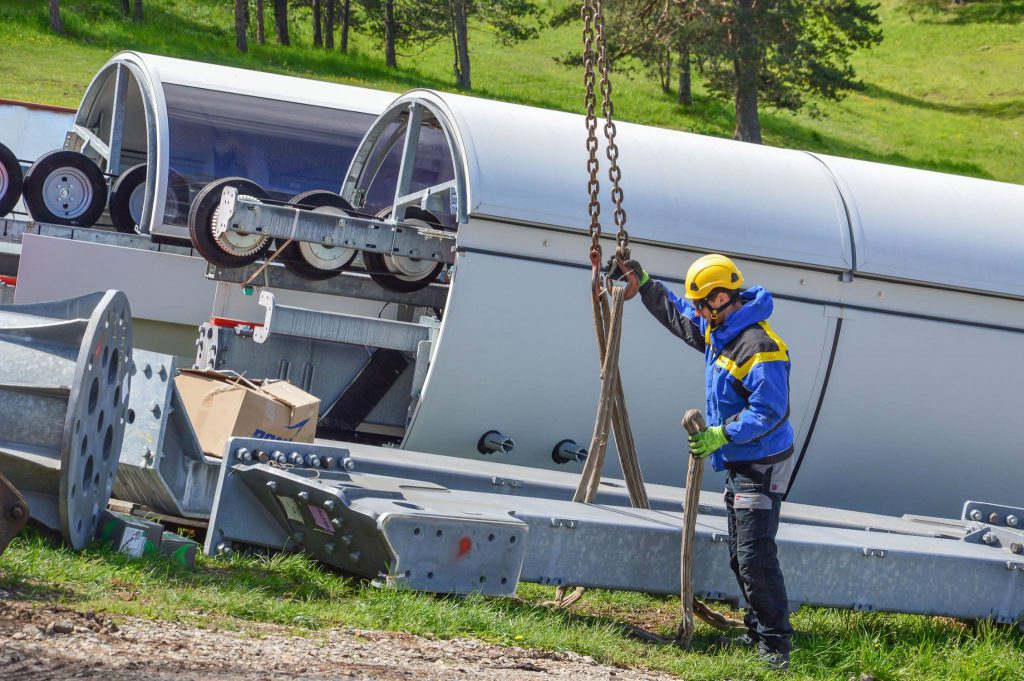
[(251, 216), (599, 545), (346, 285), (336, 327), (162, 464)]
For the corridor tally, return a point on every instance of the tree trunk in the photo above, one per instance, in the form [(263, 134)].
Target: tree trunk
[(463, 81), (389, 34), (261, 35), (685, 83), (56, 25), (241, 37), (126, 7), (137, 11), (329, 25), (346, 17), (318, 35), (281, 21), (745, 52)]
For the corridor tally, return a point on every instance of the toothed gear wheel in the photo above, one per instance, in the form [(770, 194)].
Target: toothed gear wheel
[(233, 243)]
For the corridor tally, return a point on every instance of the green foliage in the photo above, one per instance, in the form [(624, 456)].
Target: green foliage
[(296, 592), (939, 94), (797, 48)]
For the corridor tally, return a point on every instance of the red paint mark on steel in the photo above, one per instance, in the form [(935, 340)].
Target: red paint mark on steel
[(38, 107), (232, 323), (465, 545), (10, 281)]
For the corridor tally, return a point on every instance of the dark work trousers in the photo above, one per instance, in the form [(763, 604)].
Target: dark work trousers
[(753, 554)]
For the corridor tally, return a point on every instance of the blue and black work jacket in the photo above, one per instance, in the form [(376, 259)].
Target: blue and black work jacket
[(746, 374)]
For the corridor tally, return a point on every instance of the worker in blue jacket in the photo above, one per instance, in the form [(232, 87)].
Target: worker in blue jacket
[(749, 435)]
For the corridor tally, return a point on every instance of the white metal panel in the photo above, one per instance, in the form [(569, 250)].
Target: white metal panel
[(257, 83), (528, 164), (160, 286), (931, 227), (919, 416), (517, 354), (30, 131)]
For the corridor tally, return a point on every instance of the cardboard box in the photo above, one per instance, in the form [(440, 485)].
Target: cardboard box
[(222, 405)]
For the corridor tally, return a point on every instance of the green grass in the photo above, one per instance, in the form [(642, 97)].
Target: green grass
[(296, 592), (944, 90)]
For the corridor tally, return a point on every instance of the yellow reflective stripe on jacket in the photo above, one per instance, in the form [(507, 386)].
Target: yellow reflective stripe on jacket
[(740, 371)]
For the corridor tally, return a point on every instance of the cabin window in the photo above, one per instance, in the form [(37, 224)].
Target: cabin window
[(285, 147)]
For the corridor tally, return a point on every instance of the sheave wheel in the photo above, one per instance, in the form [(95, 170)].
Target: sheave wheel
[(11, 179), (316, 261), (127, 197), (231, 249), (399, 273), (65, 188)]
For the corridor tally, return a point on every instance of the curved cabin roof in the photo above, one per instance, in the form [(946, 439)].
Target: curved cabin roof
[(528, 165), (255, 83)]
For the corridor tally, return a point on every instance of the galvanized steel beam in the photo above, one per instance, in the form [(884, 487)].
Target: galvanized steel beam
[(162, 464), (64, 384), (618, 547)]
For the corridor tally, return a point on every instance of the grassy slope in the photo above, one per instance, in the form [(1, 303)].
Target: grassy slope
[(944, 90), (296, 592), (941, 94)]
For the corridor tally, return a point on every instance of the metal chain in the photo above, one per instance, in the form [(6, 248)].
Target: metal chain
[(608, 110), (588, 13)]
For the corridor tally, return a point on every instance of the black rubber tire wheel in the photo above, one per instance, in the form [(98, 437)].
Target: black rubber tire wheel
[(11, 180), (44, 177), (292, 256), (121, 198), (378, 269), (200, 216)]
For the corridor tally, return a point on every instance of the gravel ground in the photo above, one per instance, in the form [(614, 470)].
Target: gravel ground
[(43, 642)]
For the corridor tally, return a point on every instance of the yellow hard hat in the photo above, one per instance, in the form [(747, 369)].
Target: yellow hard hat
[(710, 272)]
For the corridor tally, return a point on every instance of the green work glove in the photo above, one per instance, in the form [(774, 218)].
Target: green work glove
[(708, 441), (641, 275)]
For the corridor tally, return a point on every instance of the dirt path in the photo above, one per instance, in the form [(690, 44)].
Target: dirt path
[(41, 642)]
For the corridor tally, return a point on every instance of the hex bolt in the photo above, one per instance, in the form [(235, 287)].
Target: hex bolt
[(329, 462), (329, 547), (1012, 520), (223, 549), (567, 450), (313, 461), (349, 464), (296, 459), (976, 515), (994, 518), (346, 540), (271, 485), (149, 455), (303, 495), (17, 512), (989, 538), (162, 372), (278, 456), (328, 505), (262, 456), (147, 370), (354, 556), (1017, 547), (242, 454), (155, 408), (335, 523)]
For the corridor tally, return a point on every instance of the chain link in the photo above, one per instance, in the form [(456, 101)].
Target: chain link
[(593, 29), (587, 12)]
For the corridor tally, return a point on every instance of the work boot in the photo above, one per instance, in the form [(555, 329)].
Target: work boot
[(777, 660), (734, 642)]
